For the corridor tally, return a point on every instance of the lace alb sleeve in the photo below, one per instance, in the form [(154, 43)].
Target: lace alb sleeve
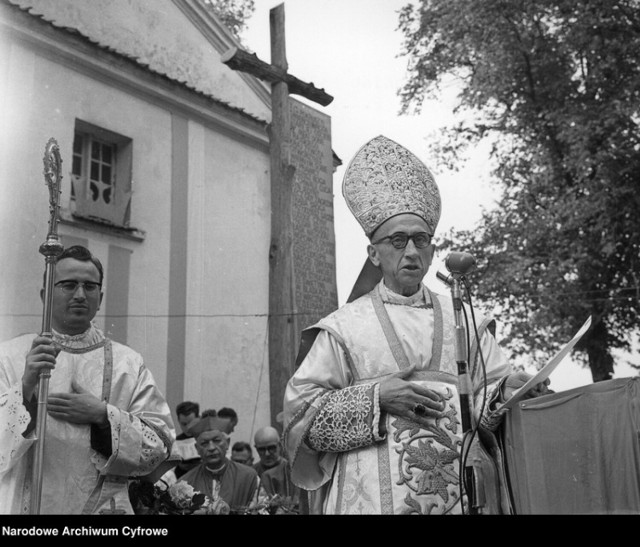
[(16, 418), (348, 418)]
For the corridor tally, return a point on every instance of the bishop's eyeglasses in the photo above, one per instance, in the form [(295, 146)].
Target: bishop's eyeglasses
[(400, 240), (70, 286)]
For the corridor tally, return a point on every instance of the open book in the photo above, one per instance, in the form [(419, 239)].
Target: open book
[(545, 371)]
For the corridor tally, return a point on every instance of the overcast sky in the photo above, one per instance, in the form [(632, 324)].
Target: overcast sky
[(351, 48)]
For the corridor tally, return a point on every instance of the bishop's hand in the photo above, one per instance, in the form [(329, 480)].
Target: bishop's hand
[(516, 380), (401, 397)]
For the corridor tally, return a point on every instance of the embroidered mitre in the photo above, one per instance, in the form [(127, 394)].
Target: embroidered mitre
[(383, 180)]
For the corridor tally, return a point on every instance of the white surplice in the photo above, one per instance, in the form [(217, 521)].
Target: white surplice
[(76, 478)]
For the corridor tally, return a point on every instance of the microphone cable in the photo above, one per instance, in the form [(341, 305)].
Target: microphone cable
[(470, 435)]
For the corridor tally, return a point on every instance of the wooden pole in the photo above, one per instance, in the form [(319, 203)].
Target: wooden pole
[(283, 342), (243, 61), (282, 345)]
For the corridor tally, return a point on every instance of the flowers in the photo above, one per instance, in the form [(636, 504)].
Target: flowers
[(182, 497), (179, 498), (272, 505)]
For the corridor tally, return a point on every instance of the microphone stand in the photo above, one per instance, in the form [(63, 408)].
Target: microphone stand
[(465, 391)]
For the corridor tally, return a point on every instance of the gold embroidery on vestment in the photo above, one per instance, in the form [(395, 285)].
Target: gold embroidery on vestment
[(427, 461)]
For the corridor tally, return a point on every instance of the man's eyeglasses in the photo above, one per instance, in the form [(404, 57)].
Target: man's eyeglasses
[(400, 240), (70, 286), (268, 448)]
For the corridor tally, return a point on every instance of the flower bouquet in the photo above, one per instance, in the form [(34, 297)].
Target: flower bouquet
[(271, 505), (179, 498)]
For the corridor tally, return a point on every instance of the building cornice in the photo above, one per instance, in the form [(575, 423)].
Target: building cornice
[(221, 39), (77, 52)]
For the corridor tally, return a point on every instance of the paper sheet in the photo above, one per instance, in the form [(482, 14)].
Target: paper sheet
[(545, 371)]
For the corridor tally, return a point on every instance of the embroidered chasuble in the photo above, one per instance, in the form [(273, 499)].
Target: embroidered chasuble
[(78, 478), (332, 415)]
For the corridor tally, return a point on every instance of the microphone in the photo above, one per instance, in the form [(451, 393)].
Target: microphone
[(459, 263)]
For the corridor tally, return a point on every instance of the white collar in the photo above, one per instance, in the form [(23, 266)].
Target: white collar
[(419, 298), (88, 340)]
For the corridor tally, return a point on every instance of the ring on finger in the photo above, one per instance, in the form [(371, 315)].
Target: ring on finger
[(420, 409)]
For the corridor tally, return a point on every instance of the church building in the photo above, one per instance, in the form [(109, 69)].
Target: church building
[(166, 178)]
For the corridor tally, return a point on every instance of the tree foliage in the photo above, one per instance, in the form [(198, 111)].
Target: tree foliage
[(233, 13), (555, 85)]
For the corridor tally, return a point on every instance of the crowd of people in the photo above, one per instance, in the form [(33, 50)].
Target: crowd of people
[(204, 458), (373, 415)]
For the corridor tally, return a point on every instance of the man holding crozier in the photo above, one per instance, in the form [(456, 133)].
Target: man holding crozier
[(107, 420)]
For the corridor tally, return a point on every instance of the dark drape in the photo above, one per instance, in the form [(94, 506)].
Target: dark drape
[(576, 452)]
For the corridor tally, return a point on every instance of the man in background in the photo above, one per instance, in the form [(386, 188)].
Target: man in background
[(231, 415), (273, 469), (267, 444), (218, 477), (188, 414), (241, 452)]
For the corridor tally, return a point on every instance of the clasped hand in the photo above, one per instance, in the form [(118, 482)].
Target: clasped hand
[(400, 397), (78, 407)]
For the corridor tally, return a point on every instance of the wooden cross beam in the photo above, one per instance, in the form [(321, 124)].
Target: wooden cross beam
[(283, 342), (243, 61)]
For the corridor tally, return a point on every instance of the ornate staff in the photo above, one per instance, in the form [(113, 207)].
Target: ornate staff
[(51, 249)]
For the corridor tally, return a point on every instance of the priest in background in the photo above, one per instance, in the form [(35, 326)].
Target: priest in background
[(218, 477)]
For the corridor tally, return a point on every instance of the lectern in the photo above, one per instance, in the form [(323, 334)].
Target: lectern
[(576, 452)]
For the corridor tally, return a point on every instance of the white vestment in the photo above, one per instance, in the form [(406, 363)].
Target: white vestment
[(76, 478), (332, 413)]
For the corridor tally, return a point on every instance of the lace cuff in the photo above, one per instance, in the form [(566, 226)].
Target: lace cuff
[(15, 420), (137, 447), (347, 419)]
